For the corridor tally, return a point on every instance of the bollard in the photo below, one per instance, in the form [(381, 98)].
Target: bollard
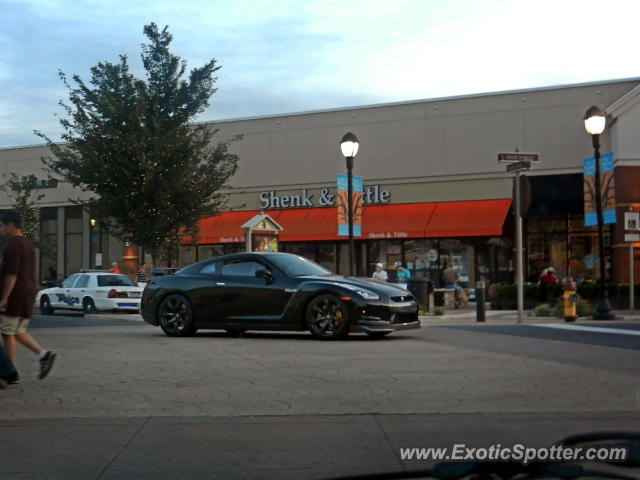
[(480, 317)]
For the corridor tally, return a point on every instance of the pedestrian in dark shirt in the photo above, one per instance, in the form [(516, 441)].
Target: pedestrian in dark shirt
[(18, 287)]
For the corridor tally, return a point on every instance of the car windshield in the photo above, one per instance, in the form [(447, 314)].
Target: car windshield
[(114, 281), (296, 266)]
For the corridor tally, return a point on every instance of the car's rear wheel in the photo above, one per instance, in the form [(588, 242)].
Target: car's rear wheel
[(88, 306), (327, 318), (45, 306), (175, 316)]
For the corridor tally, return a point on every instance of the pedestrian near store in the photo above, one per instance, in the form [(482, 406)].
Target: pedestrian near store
[(547, 277), (380, 273), (143, 276), (402, 275), (114, 268), (451, 277), (18, 280)]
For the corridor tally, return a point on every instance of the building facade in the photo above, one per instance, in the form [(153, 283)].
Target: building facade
[(434, 192)]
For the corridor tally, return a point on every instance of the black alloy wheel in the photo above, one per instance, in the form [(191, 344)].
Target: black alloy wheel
[(327, 318), (45, 306), (175, 316), (88, 306)]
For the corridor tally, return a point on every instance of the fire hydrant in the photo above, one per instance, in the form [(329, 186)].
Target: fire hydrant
[(570, 298)]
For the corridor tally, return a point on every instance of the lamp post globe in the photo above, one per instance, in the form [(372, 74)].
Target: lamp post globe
[(594, 123), (349, 146)]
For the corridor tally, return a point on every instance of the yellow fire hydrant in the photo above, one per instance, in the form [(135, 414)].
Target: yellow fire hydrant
[(570, 298)]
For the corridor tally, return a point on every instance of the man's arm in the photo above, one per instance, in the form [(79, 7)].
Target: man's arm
[(9, 283)]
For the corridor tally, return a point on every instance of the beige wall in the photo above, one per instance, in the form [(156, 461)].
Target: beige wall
[(422, 140), (436, 150)]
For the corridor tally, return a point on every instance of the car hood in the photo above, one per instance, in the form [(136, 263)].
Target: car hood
[(375, 285)]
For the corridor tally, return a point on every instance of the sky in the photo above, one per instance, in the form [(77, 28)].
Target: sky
[(280, 57)]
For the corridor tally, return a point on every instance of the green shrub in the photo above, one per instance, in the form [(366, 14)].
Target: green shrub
[(558, 310), (438, 311), (507, 290), (588, 290), (584, 308), (543, 310)]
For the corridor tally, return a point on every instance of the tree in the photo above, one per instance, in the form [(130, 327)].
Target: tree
[(131, 143), (19, 190)]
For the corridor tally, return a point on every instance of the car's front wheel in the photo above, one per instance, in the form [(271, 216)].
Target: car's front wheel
[(45, 306), (327, 318), (88, 306), (175, 316)]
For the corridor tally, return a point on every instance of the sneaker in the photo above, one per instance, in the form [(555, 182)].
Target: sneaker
[(46, 363), (12, 378)]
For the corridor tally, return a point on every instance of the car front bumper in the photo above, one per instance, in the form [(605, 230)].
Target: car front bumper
[(387, 317)]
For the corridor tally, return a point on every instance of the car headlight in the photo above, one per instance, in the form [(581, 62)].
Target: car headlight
[(363, 292)]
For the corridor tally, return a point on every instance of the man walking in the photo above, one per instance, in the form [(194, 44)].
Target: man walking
[(18, 292)]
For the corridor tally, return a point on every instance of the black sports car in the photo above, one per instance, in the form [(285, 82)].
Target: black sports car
[(274, 291)]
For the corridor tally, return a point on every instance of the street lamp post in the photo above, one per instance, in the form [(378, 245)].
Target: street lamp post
[(349, 146), (594, 123)]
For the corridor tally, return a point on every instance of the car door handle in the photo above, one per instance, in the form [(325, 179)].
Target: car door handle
[(222, 284)]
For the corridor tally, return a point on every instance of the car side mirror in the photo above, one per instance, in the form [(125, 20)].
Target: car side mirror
[(266, 274)]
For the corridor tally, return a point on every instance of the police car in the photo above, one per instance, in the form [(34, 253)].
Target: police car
[(91, 292)]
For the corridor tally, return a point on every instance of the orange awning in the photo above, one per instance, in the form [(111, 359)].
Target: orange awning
[(468, 219), (411, 220), (224, 227), (396, 221), (307, 224)]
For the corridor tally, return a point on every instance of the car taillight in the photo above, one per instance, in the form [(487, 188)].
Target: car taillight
[(113, 293)]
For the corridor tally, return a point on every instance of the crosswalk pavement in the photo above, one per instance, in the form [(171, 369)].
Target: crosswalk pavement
[(585, 328)]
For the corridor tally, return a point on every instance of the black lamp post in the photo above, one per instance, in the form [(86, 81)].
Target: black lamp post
[(349, 146), (594, 122)]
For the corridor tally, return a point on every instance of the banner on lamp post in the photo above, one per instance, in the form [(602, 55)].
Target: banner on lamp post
[(607, 190), (343, 204)]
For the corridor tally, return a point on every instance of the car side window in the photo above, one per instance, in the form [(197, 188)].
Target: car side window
[(83, 282), (68, 283), (210, 268), (241, 268)]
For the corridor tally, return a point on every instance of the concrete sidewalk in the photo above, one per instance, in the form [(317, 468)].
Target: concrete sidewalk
[(267, 447)]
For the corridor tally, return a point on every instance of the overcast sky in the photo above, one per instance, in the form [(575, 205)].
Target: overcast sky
[(289, 56)]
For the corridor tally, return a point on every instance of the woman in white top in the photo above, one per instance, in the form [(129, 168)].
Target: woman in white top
[(379, 274)]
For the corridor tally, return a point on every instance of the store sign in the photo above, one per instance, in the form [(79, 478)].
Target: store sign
[(371, 195)]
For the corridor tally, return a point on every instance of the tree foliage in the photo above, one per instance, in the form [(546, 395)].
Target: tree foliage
[(20, 191), (130, 142)]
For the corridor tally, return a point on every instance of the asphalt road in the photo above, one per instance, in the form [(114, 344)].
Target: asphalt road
[(125, 401)]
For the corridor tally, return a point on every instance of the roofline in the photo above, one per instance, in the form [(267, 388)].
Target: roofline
[(391, 104), (425, 100)]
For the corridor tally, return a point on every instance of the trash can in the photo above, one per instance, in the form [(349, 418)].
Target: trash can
[(421, 288)]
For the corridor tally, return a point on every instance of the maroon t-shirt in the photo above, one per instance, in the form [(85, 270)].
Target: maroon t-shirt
[(18, 259)]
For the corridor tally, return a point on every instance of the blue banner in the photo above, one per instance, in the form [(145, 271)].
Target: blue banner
[(343, 207), (607, 190)]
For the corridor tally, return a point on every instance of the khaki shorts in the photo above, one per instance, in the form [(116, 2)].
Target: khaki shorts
[(13, 325)]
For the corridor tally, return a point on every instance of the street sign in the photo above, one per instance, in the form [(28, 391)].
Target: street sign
[(631, 225), (517, 157), (516, 167)]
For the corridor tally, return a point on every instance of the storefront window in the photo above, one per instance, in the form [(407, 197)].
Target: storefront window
[(572, 250), (210, 251), (461, 256), (327, 255), (421, 258), (306, 250)]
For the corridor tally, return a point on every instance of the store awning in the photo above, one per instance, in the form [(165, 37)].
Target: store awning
[(468, 219), (411, 220), (224, 227), (308, 224), (396, 221)]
